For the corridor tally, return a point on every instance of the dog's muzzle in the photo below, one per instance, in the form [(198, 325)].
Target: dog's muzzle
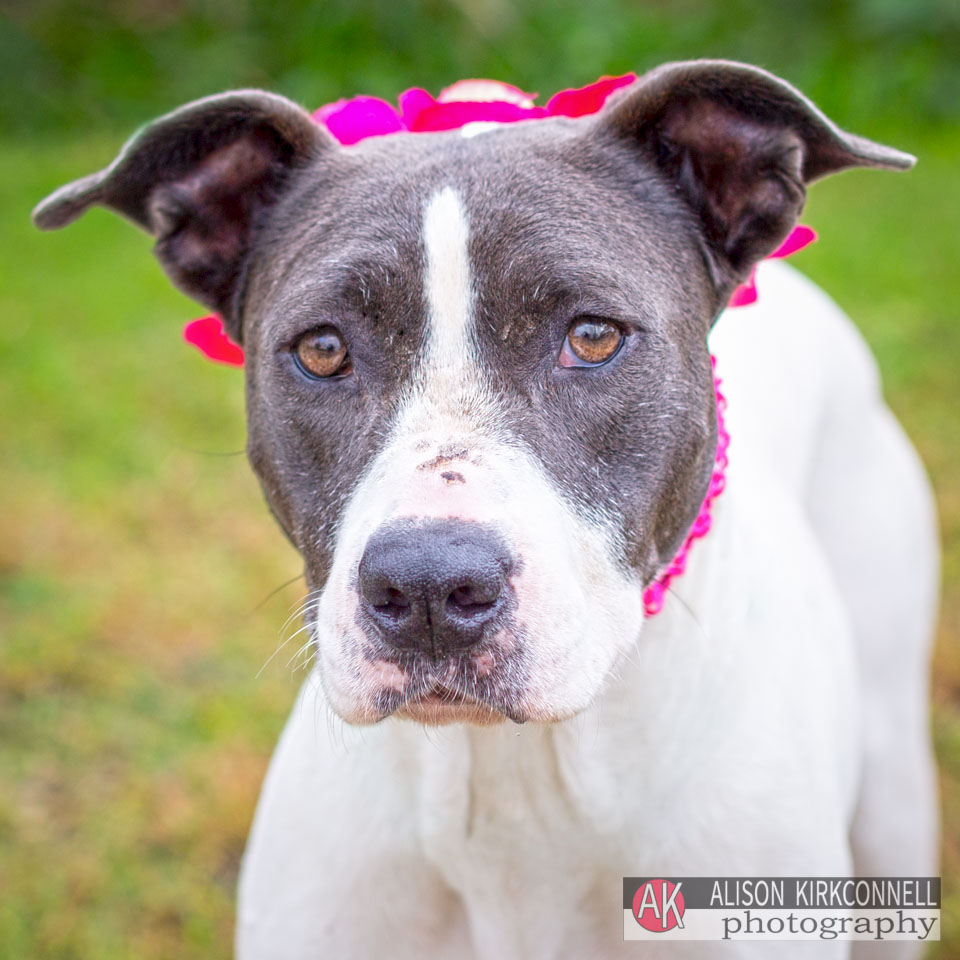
[(436, 587)]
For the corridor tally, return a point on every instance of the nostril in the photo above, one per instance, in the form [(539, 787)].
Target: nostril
[(395, 605), (472, 595), (464, 597), (472, 601), (383, 596)]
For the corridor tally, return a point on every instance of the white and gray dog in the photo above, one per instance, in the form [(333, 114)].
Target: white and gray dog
[(481, 405)]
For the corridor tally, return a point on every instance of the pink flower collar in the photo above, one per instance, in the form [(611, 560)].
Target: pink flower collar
[(486, 101)]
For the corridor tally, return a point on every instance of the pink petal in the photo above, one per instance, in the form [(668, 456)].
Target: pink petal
[(208, 336), (746, 293), (486, 91), (589, 99), (353, 120), (412, 103), (451, 116), (799, 237), (320, 116)]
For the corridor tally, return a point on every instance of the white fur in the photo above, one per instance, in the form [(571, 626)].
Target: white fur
[(758, 722), (449, 287)]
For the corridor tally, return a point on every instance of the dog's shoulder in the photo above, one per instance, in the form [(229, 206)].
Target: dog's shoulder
[(791, 365)]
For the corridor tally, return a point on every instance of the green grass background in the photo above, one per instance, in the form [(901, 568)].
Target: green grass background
[(136, 557)]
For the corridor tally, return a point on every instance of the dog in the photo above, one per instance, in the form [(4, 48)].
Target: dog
[(481, 405)]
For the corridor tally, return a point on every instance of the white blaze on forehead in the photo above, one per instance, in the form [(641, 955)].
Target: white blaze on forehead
[(448, 282)]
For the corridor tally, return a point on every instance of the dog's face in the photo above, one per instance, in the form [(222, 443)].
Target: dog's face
[(522, 412), (479, 395)]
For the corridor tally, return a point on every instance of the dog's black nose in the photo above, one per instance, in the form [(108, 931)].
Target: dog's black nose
[(434, 586)]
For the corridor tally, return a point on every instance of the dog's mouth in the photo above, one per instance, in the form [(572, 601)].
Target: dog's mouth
[(436, 703), (440, 705), (444, 696)]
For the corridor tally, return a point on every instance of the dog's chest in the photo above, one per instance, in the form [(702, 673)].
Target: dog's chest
[(498, 819)]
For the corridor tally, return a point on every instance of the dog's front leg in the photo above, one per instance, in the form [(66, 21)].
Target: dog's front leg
[(332, 867)]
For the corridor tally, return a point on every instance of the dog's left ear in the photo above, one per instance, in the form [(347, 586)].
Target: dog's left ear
[(201, 180), (740, 146)]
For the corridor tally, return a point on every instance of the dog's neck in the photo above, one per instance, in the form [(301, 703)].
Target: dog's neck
[(649, 714), (582, 798), (655, 593)]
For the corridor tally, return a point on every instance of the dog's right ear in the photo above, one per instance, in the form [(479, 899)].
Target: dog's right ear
[(739, 146), (199, 179)]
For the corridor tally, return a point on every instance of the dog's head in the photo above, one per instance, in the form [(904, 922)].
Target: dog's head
[(479, 394)]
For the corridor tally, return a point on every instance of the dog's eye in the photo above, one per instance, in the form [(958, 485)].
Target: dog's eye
[(590, 342), (322, 353)]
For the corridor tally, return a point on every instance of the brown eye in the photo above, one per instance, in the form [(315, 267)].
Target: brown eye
[(590, 342), (323, 353)]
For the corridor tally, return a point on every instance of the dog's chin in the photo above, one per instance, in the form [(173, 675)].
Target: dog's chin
[(439, 709), (432, 706), (439, 705)]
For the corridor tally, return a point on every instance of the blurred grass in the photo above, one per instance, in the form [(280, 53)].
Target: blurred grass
[(117, 61), (135, 552)]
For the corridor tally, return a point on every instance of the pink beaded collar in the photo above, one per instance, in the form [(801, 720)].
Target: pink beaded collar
[(485, 101)]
